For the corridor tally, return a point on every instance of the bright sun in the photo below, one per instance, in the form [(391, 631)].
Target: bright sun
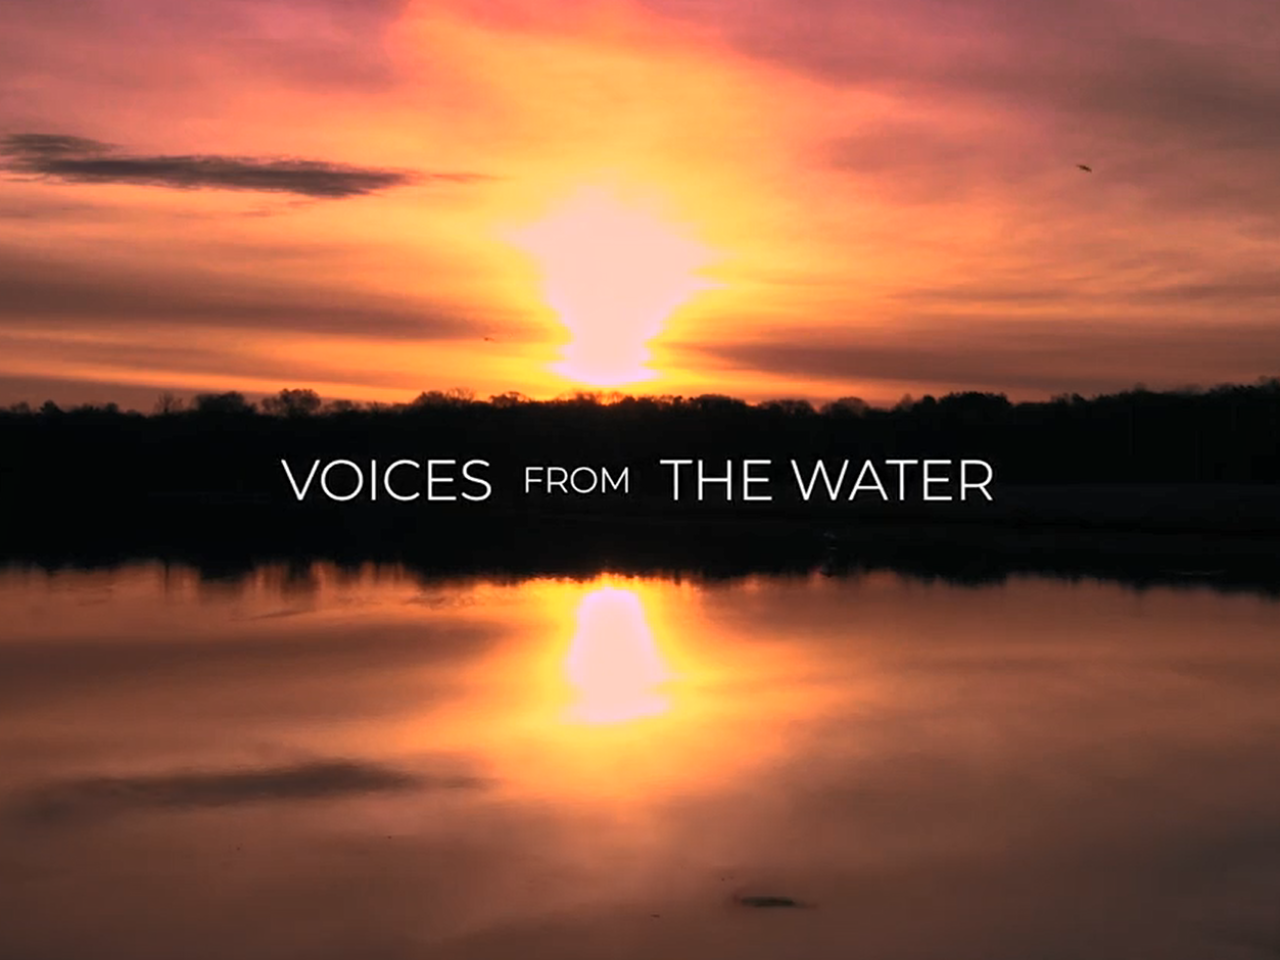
[(613, 273)]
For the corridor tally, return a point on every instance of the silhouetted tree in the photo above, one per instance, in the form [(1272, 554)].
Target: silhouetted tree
[(790, 408), (169, 403), (230, 402), (717, 403), (341, 407), (846, 407), (511, 398), (292, 403)]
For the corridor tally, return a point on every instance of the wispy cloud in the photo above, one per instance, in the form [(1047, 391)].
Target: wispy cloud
[(1036, 357), (1172, 101), (80, 160), (38, 291)]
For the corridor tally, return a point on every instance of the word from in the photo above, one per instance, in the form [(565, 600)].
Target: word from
[(578, 480)]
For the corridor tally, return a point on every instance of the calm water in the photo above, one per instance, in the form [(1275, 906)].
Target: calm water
[(326, 764)]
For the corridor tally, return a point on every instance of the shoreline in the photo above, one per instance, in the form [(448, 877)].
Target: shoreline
[(1251, 509), (1211, 539)]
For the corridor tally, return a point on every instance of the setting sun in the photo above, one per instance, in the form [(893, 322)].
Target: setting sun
[(613, 272)]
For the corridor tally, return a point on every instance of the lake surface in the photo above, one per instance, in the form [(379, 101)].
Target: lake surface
[(361, 764)]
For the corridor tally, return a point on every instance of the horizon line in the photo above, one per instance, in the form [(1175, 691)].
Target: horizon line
[(306, 401)]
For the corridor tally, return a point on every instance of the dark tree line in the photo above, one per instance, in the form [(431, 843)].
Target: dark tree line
[(222, 448)]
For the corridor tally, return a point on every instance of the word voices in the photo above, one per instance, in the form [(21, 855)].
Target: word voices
[(400, 480)]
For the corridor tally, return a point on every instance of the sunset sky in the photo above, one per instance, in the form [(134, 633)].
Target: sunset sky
[(777, 198)]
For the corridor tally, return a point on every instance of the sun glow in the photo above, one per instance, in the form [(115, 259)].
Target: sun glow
[(614, 273), (613, 661), (622, 688)]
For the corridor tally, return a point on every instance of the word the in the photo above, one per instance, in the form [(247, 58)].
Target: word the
[(752, 475)]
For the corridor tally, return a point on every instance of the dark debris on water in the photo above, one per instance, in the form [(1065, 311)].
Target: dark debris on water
[(767, 901)]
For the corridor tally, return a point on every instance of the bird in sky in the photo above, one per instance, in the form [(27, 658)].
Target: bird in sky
[(1085, 167)]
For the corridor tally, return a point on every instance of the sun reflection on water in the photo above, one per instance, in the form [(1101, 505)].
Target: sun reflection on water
[(613, 663), (619, 688)]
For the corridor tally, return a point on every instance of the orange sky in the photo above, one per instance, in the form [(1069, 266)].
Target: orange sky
[(789, 198)]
